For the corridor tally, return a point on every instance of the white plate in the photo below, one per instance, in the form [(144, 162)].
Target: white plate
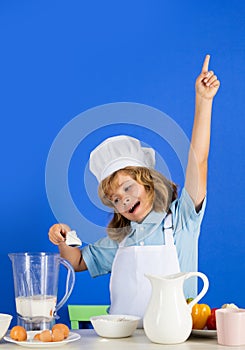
[(210, 333), (30, 343)]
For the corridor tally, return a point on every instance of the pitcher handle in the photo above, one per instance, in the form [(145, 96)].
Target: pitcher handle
[(70, 281), (204, 288)]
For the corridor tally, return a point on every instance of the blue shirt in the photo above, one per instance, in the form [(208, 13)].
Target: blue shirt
[(186, 228)]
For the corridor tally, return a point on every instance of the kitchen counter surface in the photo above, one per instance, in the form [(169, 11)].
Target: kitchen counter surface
[(91, 341)]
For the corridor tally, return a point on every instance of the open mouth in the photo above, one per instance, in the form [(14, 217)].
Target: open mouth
[(131, 210)]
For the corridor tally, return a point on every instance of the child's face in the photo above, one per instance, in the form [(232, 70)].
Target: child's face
[(130, 198)]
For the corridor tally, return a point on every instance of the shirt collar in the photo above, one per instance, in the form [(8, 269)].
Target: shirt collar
[(152, 218)]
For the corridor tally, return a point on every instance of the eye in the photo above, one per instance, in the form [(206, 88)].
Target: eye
[(127, 188), (116, 201)]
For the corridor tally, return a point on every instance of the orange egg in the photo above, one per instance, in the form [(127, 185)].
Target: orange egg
[(57, 335), (36, 336), (45, 335), (18, 333), (62, 327)]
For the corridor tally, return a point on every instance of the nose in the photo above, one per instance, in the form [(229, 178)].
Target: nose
[(126, 201)]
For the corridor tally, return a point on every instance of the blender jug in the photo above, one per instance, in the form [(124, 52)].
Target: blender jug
[(35, 284)]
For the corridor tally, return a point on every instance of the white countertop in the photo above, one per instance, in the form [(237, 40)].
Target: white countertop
[(91, 341)]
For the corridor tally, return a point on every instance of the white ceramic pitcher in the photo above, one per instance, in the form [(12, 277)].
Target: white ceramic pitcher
[(168, 316)]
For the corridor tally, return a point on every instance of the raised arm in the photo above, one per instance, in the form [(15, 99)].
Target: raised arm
[(206, 87)]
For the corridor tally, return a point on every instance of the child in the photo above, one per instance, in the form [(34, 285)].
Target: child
[(152, 230)]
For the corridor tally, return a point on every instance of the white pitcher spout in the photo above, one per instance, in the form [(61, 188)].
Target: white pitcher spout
[(179, 275)]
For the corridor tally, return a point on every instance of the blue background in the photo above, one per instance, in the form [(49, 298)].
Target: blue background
[(60, 58)]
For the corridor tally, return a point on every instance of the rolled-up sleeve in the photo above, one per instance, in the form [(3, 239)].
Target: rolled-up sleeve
[(185, 216), (99, 256)]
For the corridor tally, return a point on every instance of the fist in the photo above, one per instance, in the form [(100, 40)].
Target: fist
[(57, 233)]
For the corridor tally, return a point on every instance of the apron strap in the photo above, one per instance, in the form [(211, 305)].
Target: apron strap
[(122, 243), (168, 230)]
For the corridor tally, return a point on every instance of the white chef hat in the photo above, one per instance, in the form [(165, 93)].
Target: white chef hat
[(118, 152)]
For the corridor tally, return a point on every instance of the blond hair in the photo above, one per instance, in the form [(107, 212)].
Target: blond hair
[(161, 193)]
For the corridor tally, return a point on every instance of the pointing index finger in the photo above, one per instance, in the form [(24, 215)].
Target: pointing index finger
[(205, 64)]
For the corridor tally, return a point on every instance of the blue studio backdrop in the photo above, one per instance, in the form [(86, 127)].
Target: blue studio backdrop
[(87, 70)]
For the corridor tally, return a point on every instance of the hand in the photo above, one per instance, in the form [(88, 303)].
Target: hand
[(57, 233), (207, 83)]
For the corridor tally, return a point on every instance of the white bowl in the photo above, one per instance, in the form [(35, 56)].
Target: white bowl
[(114, 326), (5, 320)]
